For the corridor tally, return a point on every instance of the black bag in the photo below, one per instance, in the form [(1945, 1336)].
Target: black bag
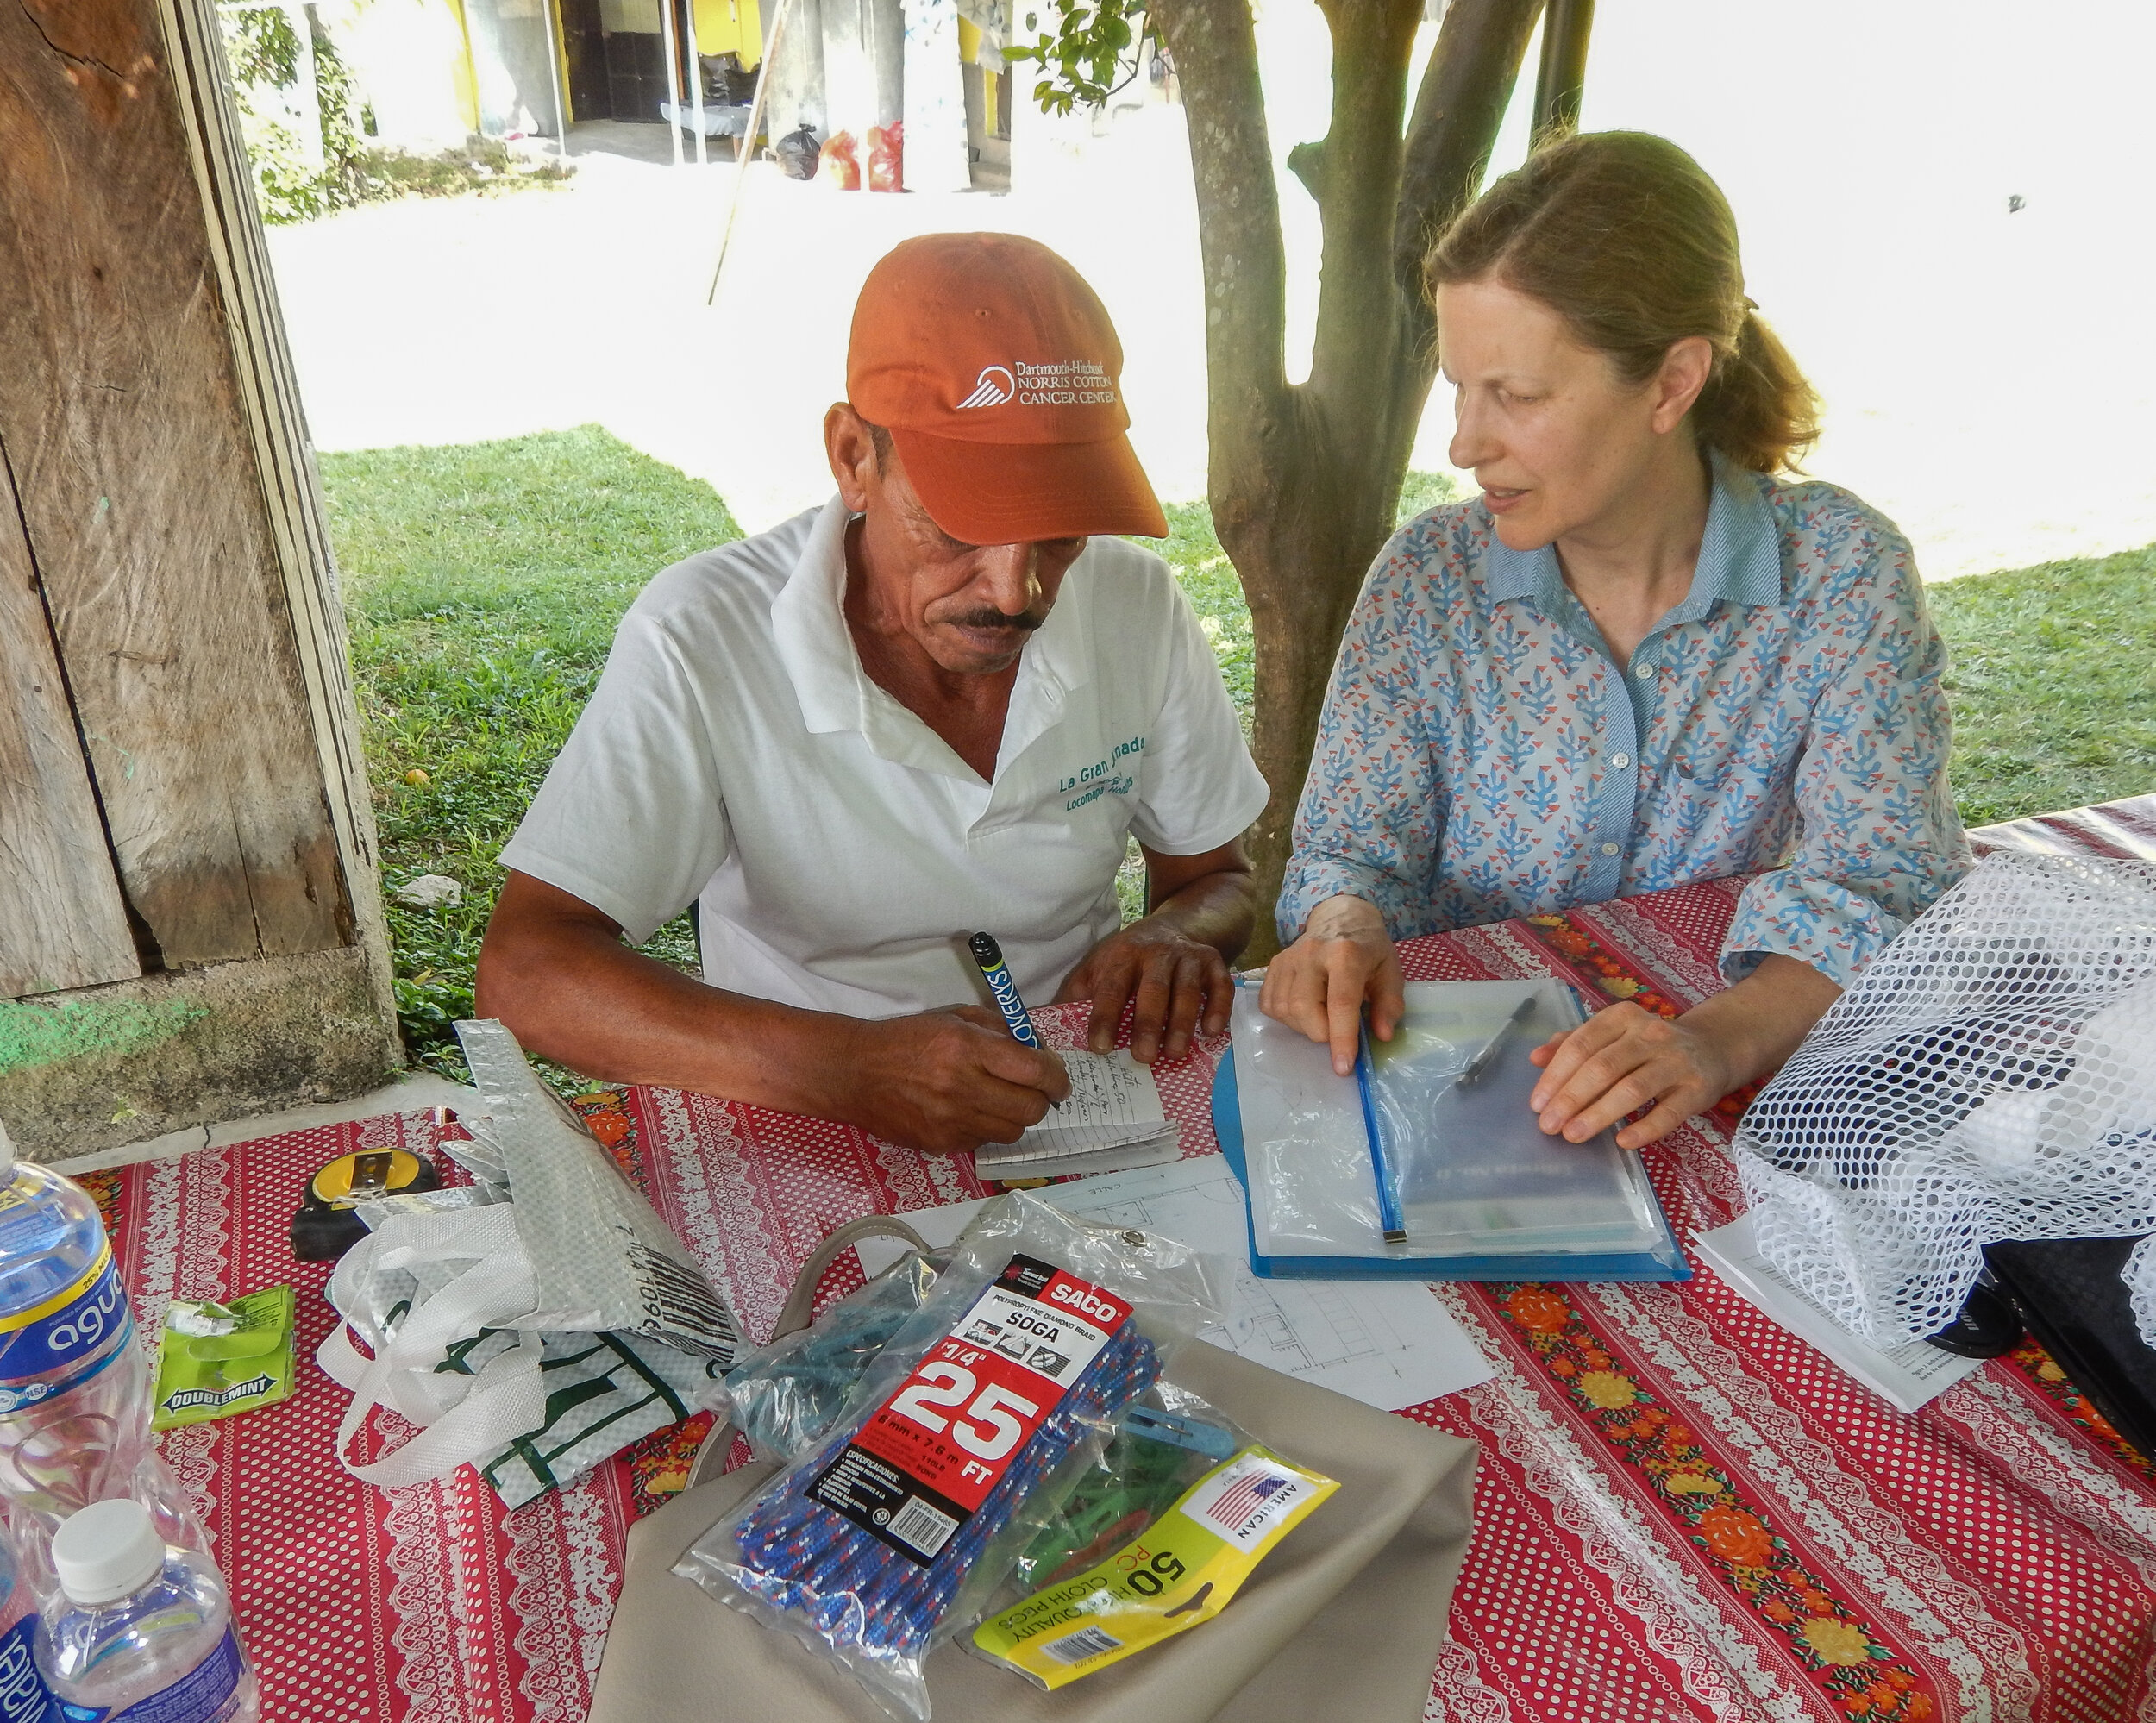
[(799, 152), (725, 82), (2069, 1292)]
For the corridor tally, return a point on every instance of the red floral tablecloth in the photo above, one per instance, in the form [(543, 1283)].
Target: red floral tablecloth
[(1681, 1511)]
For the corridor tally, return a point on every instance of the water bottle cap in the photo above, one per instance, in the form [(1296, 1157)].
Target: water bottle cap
[(107, 1551)]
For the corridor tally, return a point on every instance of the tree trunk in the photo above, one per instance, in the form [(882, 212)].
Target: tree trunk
[(1304, 479)]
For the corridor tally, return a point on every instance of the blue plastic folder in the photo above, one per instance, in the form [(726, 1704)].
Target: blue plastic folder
[(1476, 1189)]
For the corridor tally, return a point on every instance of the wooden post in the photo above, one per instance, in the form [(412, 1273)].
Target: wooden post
[(165, 525)]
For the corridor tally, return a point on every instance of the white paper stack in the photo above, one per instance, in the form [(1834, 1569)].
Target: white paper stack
[(1907, 1376), (1112, 1119)]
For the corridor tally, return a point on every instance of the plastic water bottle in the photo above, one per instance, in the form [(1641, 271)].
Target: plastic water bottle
[(75, 1388), (23, 1695), (141, 1631)]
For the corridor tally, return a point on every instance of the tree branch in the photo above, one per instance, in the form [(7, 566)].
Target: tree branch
[(1215, 50), (1373, 41), (1307, 162), (1457, 111)]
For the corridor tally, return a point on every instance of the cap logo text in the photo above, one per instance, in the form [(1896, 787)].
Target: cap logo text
[(1070, 383), (995, 386)]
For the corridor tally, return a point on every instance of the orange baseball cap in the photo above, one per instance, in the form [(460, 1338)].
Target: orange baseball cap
[(997, 373)]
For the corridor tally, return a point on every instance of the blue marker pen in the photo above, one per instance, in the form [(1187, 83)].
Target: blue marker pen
[(989, 955)]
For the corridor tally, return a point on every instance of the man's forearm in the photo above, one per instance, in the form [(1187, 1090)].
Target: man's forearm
[(1217, 909), (573, 994)]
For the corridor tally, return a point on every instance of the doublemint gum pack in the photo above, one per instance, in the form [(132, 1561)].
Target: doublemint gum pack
[(1181, 1571), (219, 1360)]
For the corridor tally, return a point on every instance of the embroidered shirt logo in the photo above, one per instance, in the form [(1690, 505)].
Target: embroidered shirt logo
[(996, 387)]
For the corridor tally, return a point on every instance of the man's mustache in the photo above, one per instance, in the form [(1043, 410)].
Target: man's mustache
[(1024, 623)]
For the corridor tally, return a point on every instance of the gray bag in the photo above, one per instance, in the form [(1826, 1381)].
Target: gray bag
[(1344, 1620)]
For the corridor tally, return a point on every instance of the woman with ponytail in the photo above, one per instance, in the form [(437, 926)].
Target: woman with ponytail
[(1645, 654)]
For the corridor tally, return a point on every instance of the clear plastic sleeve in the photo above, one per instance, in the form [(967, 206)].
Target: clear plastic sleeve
[(1313, 1192), (876, 1544), (1542, 1195), (1470, 1175)]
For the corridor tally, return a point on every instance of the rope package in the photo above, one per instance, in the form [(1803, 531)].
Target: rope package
[(861, 1594), (885, 1532)]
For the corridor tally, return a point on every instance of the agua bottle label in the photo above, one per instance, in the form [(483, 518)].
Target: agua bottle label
[(67, 1327), (23, 1698)]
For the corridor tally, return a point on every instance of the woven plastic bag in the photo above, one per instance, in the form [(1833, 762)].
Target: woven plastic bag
[(1990, 1076)]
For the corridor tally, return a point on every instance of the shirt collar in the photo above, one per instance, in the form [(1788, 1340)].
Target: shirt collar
[(1739, 555), (808, 628)]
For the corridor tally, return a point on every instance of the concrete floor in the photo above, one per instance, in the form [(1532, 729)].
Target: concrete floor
[(413, 1091), (650, 144)]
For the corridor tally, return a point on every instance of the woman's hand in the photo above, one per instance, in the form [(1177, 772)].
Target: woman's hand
[(1617, 1061), (1623, 1057), (1318, 984)]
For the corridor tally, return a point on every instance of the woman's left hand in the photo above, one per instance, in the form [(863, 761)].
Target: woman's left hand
[(1617, 1061), (1623, 1057)]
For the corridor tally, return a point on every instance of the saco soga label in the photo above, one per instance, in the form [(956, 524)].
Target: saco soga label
[(928, 1456), (1183, 1570)]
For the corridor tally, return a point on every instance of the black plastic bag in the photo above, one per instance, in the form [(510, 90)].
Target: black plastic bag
[(798, 152)]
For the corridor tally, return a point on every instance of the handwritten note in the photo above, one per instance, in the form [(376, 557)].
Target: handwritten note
[(1113, 1103)]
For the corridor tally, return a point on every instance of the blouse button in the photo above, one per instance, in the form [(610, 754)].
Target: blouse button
[(1609, 850), (1620, 760), (1645, 673)]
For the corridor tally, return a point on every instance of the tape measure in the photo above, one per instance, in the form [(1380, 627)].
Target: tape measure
[(328, 1224)]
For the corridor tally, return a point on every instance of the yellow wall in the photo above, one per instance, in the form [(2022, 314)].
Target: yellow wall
[(466, 81), (730, 27)]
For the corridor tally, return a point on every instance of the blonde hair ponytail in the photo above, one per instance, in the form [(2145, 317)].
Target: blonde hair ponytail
[(1627, 238), (1757, 408)]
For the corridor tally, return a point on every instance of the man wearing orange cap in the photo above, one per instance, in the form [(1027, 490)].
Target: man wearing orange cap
[(943, 703)]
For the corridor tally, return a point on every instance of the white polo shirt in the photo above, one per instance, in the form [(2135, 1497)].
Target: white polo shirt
[(736, 751)]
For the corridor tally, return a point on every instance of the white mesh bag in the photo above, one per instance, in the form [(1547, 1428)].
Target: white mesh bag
[(1990, 1076)]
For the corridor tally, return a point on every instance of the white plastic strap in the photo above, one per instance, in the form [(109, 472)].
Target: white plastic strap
[(461, 1417)]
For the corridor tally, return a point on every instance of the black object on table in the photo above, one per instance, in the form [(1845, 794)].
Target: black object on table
[(1989, 1326), (327, 1224), (2069, 1293)]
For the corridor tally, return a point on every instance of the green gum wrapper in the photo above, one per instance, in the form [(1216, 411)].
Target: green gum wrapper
[(200, 1378)]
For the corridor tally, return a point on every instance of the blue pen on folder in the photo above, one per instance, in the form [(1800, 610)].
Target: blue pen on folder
[(1388, 1216), (989, 955)]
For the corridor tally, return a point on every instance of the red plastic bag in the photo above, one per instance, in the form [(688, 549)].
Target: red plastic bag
[(887, 151), (839, 163)]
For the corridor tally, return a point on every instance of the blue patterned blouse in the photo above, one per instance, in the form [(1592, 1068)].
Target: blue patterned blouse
[(1481, 755)]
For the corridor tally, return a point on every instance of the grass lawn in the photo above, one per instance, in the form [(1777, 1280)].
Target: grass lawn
[(482, 585), (2053, 680)]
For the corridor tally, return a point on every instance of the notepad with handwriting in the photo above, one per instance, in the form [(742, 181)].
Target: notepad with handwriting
[(1112, 1119)]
